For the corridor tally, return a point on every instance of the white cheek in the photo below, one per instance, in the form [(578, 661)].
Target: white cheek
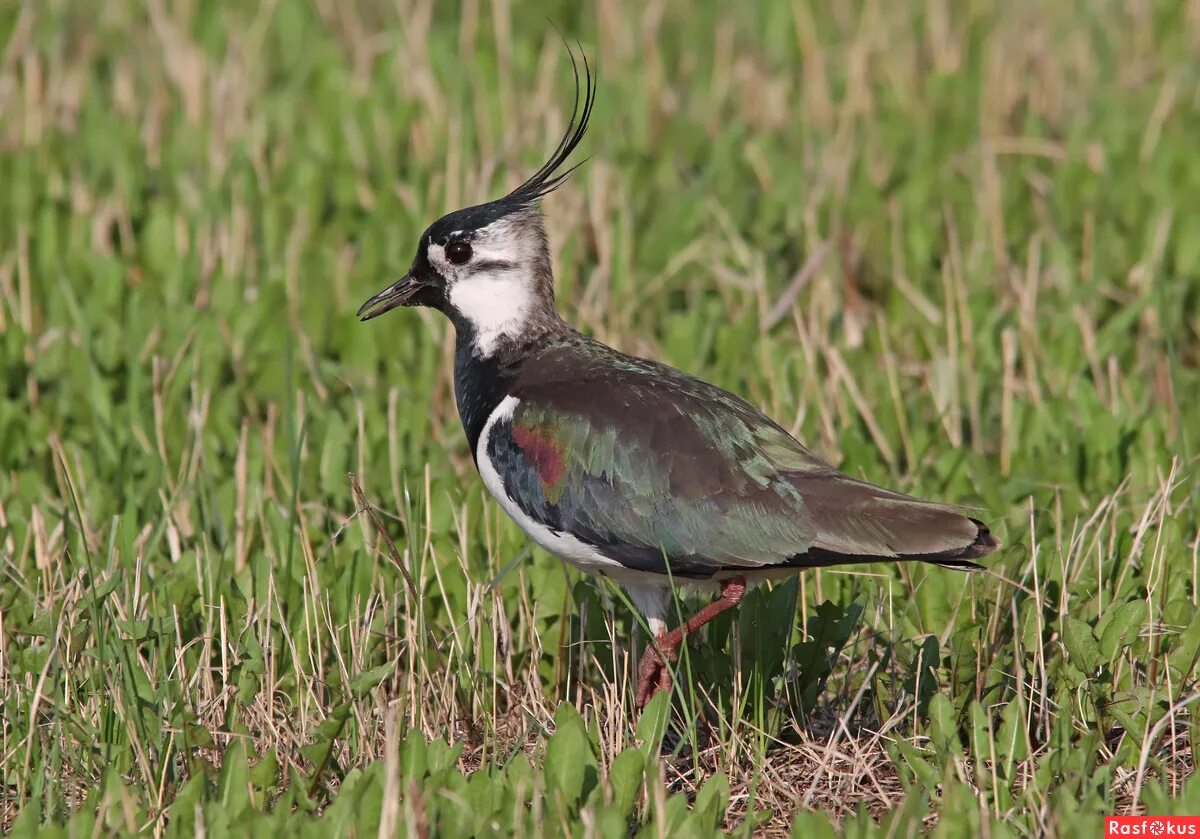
[(437, 258), (497, 305)]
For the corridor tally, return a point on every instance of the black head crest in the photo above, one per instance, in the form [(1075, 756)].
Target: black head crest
[(540, 183), (544, 180)]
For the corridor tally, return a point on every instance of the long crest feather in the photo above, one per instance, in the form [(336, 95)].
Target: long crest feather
[(544, 180)]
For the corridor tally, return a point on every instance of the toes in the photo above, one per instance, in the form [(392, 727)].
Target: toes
[(654, 676), (649, 679), (648, 670), (664, 678), (645, 690)]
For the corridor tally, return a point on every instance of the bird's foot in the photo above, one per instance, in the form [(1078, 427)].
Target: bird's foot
[(654, 671)]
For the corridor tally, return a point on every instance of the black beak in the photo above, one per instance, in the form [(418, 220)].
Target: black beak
[(400, 293)]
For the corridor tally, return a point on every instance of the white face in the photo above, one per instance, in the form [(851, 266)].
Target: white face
[(496, 288)]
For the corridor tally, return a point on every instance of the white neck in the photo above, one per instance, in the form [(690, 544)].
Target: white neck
[(497, 305)]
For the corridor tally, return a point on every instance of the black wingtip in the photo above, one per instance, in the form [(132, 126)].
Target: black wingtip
[(544, 180), (984, 542), (983, 545)]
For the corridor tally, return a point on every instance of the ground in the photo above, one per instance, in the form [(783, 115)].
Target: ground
[(955, 247)]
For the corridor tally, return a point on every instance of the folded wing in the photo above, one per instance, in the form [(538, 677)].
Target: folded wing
[(665, 473)]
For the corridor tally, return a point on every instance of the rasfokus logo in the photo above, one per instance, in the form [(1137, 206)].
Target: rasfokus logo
[(1152, 826)]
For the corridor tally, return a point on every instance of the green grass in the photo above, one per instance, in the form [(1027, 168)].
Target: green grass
[(202, 628)]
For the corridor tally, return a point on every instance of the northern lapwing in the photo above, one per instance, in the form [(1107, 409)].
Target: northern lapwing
[(628, 468)]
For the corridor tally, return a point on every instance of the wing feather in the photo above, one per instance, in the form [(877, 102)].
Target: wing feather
[(659, 470)]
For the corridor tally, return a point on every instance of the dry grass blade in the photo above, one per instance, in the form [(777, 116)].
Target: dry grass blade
[(788, 298), (365, 506)]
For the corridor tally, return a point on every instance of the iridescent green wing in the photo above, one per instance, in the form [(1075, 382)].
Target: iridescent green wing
[(650, 465), (656, 468)]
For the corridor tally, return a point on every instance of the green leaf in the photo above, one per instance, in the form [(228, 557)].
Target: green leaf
[(766, 619), (958, 813), (265, 772), (297, 793), (1132, 719), (1190, 799), (672, 816), (1081, 645), (1071, 676), (233, 784), (1120, 628), (709, 807), (181, 815), (484, 792), (906, 756), (520, 776), (27, 821), (441, 756), (813, 825), (368, 680), (922, 680), (1011, 739), (329, 729), (943, 728), (414, 760), (625, 778), (571, 770), (981, 741), (142, 630), (198, 736), (652, 726), (121, 807), (1031, 628), (331, 725), (107, 586), (43, 624), (247, 685), (1185, 650), (611, 823)]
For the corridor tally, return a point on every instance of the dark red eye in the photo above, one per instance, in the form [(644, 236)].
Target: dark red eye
[(459, 253)]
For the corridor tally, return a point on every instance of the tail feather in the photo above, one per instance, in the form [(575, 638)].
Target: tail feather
[(858, 522), (983, 545), (958, 564), (958, 559)]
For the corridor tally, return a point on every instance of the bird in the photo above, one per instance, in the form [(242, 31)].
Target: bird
[(626, 467)]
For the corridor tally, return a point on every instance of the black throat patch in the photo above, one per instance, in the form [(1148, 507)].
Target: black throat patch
[(480, 384)]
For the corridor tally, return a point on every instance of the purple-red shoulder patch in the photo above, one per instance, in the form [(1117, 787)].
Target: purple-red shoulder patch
[(545, 454)]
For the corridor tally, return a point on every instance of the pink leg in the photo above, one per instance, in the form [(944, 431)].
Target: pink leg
[(653, 673)]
